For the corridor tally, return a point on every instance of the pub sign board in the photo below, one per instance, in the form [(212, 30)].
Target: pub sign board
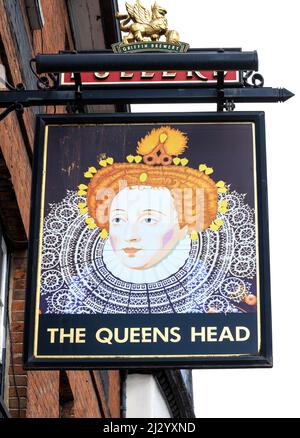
[(149, 242), (150, 78)]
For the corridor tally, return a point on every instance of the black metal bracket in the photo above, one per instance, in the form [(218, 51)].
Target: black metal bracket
[(220, 91), (14, 106), (76, 106), (222, 102), (18, 107), (229, 105), (257, 79), (49, 93)]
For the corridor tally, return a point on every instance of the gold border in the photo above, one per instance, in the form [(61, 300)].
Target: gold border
[(42, 212), (44, 172), (257, 242), (145, 356)]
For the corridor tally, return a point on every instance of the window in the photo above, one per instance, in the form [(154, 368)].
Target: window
[(3, 305), (35, 14)]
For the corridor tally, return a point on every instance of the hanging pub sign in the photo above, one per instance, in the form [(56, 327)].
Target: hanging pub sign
[(149, 242)]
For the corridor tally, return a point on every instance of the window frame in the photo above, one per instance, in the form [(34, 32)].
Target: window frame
[(4, 273)]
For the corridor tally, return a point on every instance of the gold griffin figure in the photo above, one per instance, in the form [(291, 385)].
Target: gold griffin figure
[(145, 24)]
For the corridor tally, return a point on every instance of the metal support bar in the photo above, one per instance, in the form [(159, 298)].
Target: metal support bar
[(78, 105), (16, 106), (28, 98), (220, 91), (221, 59)]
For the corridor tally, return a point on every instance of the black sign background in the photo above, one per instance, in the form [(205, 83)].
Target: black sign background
[(229, 161)]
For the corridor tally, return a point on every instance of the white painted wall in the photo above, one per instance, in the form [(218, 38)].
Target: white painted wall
[(144, 398)]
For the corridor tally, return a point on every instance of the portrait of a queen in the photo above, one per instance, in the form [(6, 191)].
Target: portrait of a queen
[(151, 234)]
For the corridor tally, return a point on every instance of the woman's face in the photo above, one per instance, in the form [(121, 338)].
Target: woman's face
[(143, 226)]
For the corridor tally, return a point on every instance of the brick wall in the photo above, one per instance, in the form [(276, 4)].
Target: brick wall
[(17, 400), (42, 394), (36, 393)]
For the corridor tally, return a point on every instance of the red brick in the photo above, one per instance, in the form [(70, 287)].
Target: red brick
[(19, 283), (17, 370), (17, 337), (114, 393), (85, 399), (43, 394), (18, 359), (20, 380), (22, 391), (15, 402), (19, 294), (18, 347), (17, 316), (20, 274), (15, 413), (38, 390), (18, 305), (17, 327)]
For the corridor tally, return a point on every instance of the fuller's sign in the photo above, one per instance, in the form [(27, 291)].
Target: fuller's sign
[(153, 78), (149, 242)]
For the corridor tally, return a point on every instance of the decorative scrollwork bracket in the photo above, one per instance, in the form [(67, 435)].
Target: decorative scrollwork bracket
[(18, 107), (257, 79), (229, 105), (43, 82)]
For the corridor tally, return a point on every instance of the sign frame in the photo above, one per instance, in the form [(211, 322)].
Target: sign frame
[(262, 359)]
